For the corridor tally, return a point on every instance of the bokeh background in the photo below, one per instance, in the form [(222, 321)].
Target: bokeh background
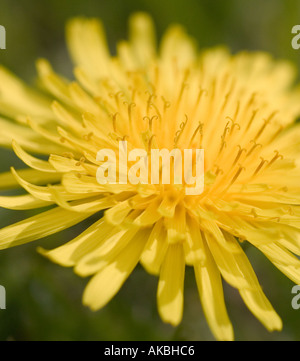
[(44, 299)]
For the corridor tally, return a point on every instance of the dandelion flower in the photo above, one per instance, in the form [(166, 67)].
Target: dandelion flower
[(241, 109)]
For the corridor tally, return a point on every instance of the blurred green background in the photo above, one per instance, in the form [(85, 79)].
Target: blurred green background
[(43, 299)]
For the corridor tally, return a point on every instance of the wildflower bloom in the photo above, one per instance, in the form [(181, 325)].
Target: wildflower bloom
[(240, 109)]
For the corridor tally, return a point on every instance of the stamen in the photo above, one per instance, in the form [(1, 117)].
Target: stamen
[(88, 136), (150, 100), (223, 136), (233, 125), (251, 119), (225, 101), (226, 130), (263, 161), (150, 143), (117, 97), (266, 122), (276, 156), (227, 96), (281, 127), (251, 100), (276, 219), (253, 213), (223, 145), (122, 139), (240, 152), (255, 145), (114, 120), (152, 87), (235, 177), (218, 170), (150, 120), (180, 131), (81, 161), (167, 104), (130, 106), (157, 111), (184, 86), (237, 110), (200, 130), (289, 210), (69, 155), (201, 92), (133, 92), (241, 168)]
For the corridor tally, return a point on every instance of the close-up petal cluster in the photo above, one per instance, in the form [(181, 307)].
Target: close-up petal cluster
[(241, 109)]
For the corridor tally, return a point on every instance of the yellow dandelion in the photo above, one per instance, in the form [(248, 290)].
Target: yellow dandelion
[(240, 109)]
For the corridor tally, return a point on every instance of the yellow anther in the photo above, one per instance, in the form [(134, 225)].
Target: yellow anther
[(240, 152), (68, 155), (262, 163), (276, 156), (255, 145)]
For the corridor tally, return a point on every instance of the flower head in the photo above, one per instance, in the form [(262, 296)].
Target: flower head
[(239, 108)]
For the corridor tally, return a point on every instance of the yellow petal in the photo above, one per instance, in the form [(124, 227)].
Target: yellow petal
[(87, 81), (9, 181), (39, 226), (65, 164), (87, 45), (94, 204), (170, 285), (55, 84), (83, 100), (44, 193), (168, 204), (142, 38), (105, 284), (176, 226), (61, 146), (285, 261), (117, 214), (212, 298), (31, 161), (23, 202), (17, 99), (75, 182), (155, 249), (193, 245), (259, 305), (67, 118), (149, 216), (126, 56), (26, 137), (70, 253), (234, 266), (177, 44), (114, 244), (289, 237), (215, 232)]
